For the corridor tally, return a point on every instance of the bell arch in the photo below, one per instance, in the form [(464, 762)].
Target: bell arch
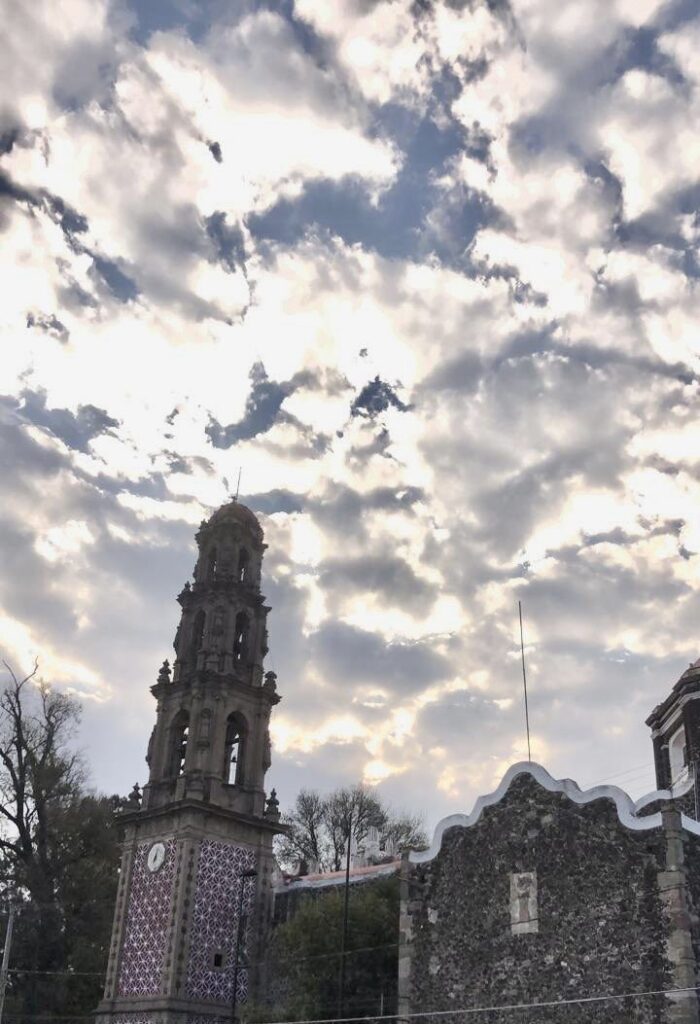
[(240, 638), (234, 749), (179, 737), (244, 565)]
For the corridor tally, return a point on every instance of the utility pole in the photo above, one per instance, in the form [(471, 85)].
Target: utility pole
[(341, 984), (6, 956), (240, 936), (522, 655)]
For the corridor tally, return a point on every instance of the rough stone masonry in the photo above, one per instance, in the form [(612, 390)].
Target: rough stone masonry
[(545, 898)]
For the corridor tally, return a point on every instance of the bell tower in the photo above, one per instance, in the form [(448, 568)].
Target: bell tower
[(675, 730), (194, 886)]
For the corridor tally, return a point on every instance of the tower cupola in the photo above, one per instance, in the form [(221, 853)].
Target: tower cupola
[(211, 739)]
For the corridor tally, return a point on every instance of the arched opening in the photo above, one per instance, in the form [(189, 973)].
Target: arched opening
[(240, 637), (211, 564), (179, 734), (678, 756), (243, 566), (198, 631), (233, 757)]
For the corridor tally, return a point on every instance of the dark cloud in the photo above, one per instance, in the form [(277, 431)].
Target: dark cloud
[(215, 150), (356, 656), (227, 239), (262, 409), (277, 500), (378, 573), (344, 511), (189, 463), (8, 137), (399, 224), (50, 324), (119, 283), (375, 398), (76, 430)]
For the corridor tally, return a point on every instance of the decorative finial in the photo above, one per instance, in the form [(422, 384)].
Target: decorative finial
[(133, 802), (272, 807)]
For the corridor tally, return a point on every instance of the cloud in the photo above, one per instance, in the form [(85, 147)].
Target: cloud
[(427, 276)]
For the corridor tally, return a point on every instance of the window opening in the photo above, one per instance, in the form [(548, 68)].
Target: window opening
[(212, 562), (243, 566), (678, 756), (233, 769), (240, 637), (181, 729)]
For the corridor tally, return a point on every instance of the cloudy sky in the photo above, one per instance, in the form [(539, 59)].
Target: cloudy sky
[(429, 274)]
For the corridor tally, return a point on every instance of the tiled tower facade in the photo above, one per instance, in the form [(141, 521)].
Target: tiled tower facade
[(197, 855)]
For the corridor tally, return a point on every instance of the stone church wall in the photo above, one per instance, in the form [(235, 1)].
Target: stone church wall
[(545, 899)]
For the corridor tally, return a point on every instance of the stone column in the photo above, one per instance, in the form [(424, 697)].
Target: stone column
[(683, 1008), (405, 939)]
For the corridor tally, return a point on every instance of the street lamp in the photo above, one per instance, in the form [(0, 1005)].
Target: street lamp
[(239, 938)]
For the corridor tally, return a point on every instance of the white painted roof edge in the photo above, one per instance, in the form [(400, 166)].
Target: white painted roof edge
[(664, 794), (336, 878), (626, 809)]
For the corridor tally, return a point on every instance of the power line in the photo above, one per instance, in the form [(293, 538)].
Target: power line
[(65, 974), (423, 1014), (500, 1008), (522, 655), (609, 904)]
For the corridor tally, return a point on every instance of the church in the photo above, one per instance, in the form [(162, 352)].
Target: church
[(545, 903)]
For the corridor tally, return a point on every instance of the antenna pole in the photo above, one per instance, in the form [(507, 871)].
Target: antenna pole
[(522, 655), (238, 485), (4, 970)]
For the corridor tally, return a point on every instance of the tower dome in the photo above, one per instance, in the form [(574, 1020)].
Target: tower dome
[(234, 512)]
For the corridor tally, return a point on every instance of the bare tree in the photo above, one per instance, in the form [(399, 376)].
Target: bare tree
[(306, 842), (58, 851), (349, 813), (319, 826), (38, 773)]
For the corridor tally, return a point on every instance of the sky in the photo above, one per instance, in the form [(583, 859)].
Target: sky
[(428, 275)]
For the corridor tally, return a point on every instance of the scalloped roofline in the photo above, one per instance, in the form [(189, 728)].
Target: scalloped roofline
[(627, 809)]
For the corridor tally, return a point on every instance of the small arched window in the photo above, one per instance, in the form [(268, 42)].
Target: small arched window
[(678, 756), (235, 737), (179, 734), (243, 566), (240, 637), (211, 565), (198, 631)]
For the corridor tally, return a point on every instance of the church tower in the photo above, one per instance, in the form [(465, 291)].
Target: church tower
[(675, 730), (195, 877)]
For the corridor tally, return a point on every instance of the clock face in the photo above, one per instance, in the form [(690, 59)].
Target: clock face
[(156, 856)]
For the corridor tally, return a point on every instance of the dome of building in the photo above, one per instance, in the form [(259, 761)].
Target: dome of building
[(233, 511)]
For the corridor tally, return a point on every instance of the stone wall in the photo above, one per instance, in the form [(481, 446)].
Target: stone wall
[(544, 899)]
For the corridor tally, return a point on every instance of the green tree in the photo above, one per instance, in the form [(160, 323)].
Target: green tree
[(303, 963)]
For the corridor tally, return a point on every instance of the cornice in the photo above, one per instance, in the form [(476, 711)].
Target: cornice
[(627, 809)]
